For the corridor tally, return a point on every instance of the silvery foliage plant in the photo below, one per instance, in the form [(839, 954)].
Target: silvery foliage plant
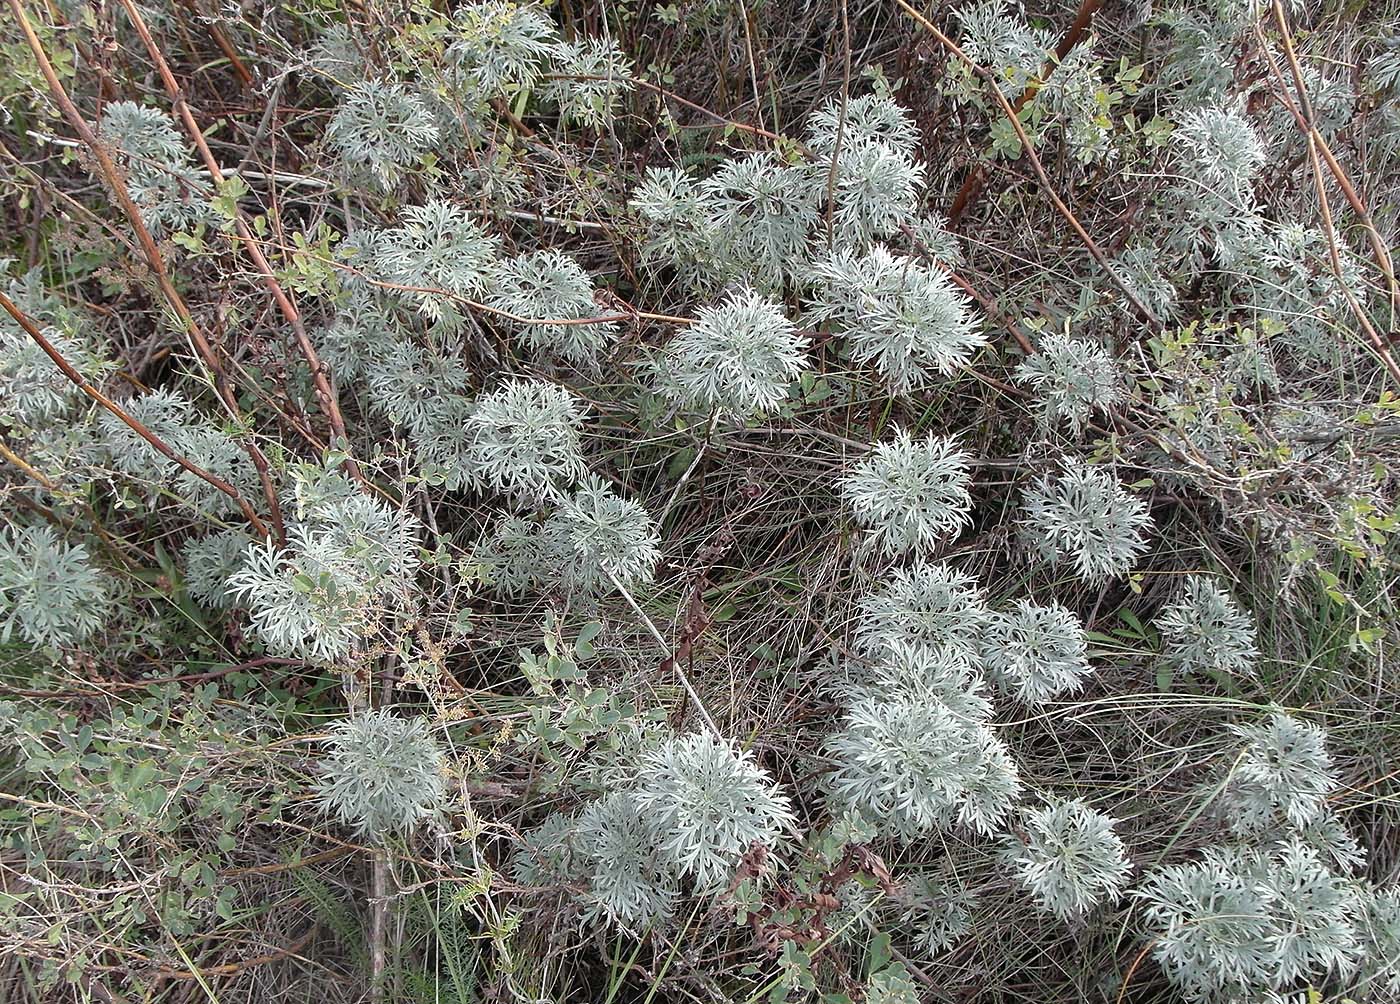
[(1036, 653), (51, 593), (324, 593), (34, 394), (926, 605), (524, 440), (912, 767), (595, 541), (761, 210), (695, 807), (181, 425), (155, 157), (435, 249), (210, 561), (1205, 631), (1284, 774), (501, 47), (711, 804), (1240, 921), (911, 495), (939, 674), (601, 74), (1074, 379), (618, 851), (737, 360), (877, 183), (901, 316), (1069, 858), (940, 908), (1083, 517), (381, 773), (542, 291), (381, 130)]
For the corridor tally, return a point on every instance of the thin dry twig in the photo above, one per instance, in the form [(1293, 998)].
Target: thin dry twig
[(160, 445), (319, 371), (972, 187), (116, 181), (1307, 123), (1044, 178)]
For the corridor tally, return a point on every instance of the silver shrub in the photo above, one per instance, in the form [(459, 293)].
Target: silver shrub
[(926, 605), (421, 390), (379, 130), (1069, 857), (1242, 920), (1142, 269), (1073, 378), (1380, 942), (603, 74), (525, 440), (512, 555), (548, 853), (678, 231), (500, 47), (877, 192), (911, 496), (1325, 833), (33, 391), (436, 247), (595, 538), (362, 334), (1003, 43), (1204, 631), (1284, 774), (761, 211), (175, 419), (939, 674), (912, 767), (210, 561), (938, 909), (618, 850), (323, 594), (51, 593), (550, 284), (1211, 922), (870, 118), (1218, 147), (710, 803), (1036, 653), (156, 160), (737, 360), (1084, 517), (905, 318), (931, 238), (381, 774)]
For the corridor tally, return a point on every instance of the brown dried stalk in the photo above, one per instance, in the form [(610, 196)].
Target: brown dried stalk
[(116, 181), (1094, 250), (319, 371), (1308, 125), (160, 445), (972, 187)]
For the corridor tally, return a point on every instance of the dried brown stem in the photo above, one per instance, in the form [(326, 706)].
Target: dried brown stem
[(1309, 127), (130, 420), (972, 187), (225, 46), (116, 181), (1068, 214), (319, 372)]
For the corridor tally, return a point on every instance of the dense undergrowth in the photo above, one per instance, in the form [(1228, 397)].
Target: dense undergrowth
[(703, 502)]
